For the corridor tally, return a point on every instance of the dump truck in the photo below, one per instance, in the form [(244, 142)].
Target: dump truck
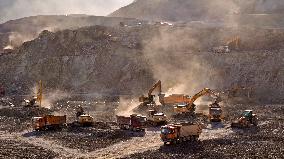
[(180, 132), (49, 122), (247, 119), (155, 119), (134, 122), (215, 112)]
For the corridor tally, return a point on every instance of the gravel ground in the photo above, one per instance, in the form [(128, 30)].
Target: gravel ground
[(18, 149), (264, 141)]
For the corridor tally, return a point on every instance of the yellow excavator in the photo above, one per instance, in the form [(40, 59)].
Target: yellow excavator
[(188, 104), (150, 98)]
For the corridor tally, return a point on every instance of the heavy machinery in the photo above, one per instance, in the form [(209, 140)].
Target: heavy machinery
[(154, 118), (175, 133), (150, 98), (49, 122), (232, 44), (36, 100), (247, 119), (188, 103), (215, 112), (83, 118), (134, 122), (221, 49)]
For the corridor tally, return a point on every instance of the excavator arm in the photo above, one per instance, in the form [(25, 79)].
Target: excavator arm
[(150, 97)]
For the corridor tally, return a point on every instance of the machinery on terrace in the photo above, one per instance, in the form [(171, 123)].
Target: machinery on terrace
[(232, 44), (49, 122), (247, 119), (176, 133), (36, 100), (188, 104)]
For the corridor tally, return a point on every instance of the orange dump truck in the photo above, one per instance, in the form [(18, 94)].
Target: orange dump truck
[(181, 132), (49, 122)]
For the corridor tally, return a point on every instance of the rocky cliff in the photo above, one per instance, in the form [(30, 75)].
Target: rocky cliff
[(128, 60)]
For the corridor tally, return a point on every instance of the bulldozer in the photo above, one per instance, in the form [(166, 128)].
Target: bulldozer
[(247, 119)]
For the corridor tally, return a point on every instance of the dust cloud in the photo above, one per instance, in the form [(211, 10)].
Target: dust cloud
[(126, 106), (179, 73)]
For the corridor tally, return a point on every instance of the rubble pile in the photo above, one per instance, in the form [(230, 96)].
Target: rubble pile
[(15, 149)]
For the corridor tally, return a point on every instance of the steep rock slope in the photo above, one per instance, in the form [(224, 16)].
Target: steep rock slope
[(15, 32), (203, 10)]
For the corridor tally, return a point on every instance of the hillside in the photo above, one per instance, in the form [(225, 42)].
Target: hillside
[(199, 10), (127, 60), (15, 32)]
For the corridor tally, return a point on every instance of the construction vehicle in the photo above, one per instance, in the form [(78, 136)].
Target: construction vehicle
[(36, 100), (215, 112), (150, 98), (232, 44), (154, 118), (83, 118), (221, 49), (247, 119), (176, 133), (49, 122), (188, 103), (134, 122)]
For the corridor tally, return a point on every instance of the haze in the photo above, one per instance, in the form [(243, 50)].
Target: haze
[(14, 9)]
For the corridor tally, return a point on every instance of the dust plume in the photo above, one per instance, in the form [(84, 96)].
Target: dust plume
[(53, 96), (126, 106), (174, 55)]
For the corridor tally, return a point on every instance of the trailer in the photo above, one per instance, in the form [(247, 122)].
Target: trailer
[(49, 122), (134, 122)]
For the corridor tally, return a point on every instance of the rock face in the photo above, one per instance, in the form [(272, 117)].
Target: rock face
[(15, 32), (188, 10), (128, 60)]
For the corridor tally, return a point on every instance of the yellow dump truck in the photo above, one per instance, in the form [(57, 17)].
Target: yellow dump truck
[(49, 122), (175, 133)]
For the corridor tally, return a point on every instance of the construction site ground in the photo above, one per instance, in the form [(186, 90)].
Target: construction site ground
[(105, 140)]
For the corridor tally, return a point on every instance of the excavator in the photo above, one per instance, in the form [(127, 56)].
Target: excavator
[(35, 100), (154, 117), (232, 44), (150, 98), (188, 104)]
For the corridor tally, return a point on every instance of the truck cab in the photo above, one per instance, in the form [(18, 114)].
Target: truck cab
[(168, 134), (215, 112), (38, 123)]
